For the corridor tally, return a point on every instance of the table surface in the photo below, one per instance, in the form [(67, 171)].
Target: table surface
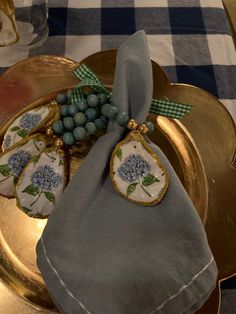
[(190, 39)]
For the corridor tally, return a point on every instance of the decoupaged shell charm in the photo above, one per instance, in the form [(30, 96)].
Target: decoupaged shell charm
[(137, 172), (8, 28), (15, 159), (41, 183), (29, 122)]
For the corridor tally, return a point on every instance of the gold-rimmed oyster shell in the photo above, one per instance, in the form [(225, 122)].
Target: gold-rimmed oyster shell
[(8, 29), (30, 122), (41, 183), (137, 172), (13, 161)]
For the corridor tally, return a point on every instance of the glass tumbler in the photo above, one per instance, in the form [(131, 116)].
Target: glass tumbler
[(23, 25)]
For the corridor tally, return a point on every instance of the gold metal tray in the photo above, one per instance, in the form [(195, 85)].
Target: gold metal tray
[(200, 147)]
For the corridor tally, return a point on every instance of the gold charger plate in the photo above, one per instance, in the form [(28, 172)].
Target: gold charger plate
[(196, 147)]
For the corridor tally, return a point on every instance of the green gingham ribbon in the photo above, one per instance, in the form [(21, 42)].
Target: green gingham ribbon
[(88, 78), (166, 108), (171, 109)]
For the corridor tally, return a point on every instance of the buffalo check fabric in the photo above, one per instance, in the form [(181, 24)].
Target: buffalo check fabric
[(190, 39)]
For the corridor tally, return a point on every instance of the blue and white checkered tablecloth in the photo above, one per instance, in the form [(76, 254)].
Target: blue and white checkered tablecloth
[(190, 39)]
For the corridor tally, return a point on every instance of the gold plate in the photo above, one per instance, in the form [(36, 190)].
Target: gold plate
[(196, 147)]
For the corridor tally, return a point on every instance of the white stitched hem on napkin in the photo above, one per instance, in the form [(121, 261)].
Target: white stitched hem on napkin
[(158, 308)]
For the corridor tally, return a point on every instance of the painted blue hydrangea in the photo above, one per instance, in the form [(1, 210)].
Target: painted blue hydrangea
[(133, 168), (29, 120), (46, 178), (18, 160), (7, 141)]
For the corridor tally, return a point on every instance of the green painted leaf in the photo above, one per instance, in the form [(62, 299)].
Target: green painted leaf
[(15, 128), (50, 196), (53, 158), (35, 159), (36, 146), (15, 180), (22, 133), (61, 162), (31, 189), (5, 170), (149, 180), (119, 153), (131, 188)]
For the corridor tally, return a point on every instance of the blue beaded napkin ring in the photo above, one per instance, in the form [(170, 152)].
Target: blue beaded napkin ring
[(33, 166)]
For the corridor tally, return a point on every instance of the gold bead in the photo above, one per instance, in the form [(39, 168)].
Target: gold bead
[(58, 142), (132, 124), (143, 129), (49, 131), (53, 102)]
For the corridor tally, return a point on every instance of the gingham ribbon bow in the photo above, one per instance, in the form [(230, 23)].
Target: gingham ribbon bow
[(166, 108)]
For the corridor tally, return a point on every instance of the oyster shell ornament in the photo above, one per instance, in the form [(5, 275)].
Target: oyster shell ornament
[(30, 122), (136, 171), (15, 159), (41, 183), (8, 29)]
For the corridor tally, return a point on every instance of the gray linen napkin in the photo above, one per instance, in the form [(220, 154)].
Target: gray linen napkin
[(102, 254)]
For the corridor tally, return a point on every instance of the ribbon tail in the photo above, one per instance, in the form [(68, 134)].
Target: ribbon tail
[(170, 109)]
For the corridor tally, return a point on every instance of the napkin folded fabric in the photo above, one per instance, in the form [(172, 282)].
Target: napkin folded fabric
[(100, 253)]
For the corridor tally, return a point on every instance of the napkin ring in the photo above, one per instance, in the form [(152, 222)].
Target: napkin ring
[(33, 165)]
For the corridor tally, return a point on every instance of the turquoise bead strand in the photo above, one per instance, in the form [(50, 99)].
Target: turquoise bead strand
[(87, 117)]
